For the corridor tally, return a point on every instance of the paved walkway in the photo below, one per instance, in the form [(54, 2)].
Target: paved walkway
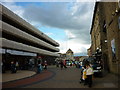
[(69, 78), (57, 78), (8, 76), (45, 75)]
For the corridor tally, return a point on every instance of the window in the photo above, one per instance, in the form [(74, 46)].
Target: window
[(113, 48), (119, 3), (119, 22), (104, 27)]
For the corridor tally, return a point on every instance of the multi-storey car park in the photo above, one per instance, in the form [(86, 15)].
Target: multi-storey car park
[(20, 36)]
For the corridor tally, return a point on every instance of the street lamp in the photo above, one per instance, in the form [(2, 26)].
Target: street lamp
[(105, 41)]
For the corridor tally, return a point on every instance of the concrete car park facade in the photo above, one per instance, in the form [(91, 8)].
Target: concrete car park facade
[(17, 34)]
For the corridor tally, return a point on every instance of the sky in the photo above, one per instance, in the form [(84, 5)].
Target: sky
[(68, 23)]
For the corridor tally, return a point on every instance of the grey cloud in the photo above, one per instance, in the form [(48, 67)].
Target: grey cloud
[(82, 53), (82, 36), (59, 15)]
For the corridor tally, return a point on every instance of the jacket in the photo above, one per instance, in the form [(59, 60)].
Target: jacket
[(89, 71)]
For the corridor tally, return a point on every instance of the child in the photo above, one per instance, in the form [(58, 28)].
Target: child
[(81, 79), (84, 76)]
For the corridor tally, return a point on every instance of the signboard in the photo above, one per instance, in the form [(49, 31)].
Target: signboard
[(113, 49)]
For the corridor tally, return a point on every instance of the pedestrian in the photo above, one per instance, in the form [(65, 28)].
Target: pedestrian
[(17, 65), (45, 65), (81, 80), (89, 73), (70, 63), (39, 67), (57, 64), (30, 64), (83, 75), (3, 66), (13, 67), (64, 63), (61, 64)]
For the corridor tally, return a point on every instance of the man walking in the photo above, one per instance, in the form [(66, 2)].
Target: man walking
[(61, 64), (45, 65)]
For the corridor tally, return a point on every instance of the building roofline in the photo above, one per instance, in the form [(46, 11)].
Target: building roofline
[(22, 22), (95, 9)]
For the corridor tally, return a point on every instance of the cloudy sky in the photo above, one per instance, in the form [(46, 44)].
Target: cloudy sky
[(68, 23)]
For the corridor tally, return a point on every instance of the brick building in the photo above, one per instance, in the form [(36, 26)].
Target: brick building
[(69, 55), (112, 15), (89, 51), (105, 34)]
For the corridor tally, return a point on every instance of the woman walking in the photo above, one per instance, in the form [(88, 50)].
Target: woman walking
[(89, 73)]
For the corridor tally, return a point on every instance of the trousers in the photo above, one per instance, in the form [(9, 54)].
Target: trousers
[(89, 80)]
